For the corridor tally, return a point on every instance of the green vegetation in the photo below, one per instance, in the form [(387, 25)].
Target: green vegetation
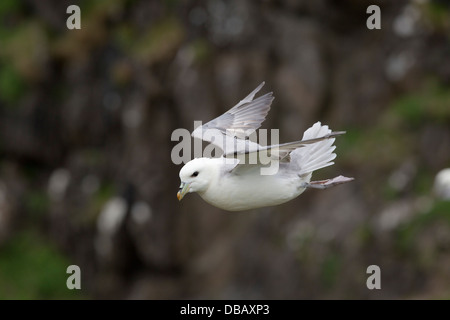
[(437, 14), (161, 40), (9, 6), (331, 268), (31, 268), (37, 204), (409, 234), (105, 192), (201, 49), (431, 103), (12, 85)]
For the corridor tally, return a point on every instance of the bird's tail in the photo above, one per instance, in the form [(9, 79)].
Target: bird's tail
[(317, 155)]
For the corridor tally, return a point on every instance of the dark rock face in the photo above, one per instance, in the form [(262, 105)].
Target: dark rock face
[(86, 118)]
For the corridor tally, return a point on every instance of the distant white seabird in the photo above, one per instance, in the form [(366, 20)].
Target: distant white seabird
[(232, 184)]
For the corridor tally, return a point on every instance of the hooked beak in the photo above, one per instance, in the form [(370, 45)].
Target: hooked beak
[(184, 188)]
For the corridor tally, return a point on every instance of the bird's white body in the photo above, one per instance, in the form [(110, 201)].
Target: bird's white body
[(249, 190), (232, 184)]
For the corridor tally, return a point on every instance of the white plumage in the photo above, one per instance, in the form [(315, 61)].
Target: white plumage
[(231, 184)]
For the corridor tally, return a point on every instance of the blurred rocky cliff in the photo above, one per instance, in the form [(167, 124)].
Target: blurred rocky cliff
[(86, 118)]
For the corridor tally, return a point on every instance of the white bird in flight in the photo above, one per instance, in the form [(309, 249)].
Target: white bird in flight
[(231, 183)]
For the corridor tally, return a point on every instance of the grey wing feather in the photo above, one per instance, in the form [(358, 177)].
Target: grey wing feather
[(279, 151), (238, 123)]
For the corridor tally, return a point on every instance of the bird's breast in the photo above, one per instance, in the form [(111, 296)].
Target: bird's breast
[(237, 193)]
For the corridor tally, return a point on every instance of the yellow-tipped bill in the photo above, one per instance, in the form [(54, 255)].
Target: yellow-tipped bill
[(184, 188)]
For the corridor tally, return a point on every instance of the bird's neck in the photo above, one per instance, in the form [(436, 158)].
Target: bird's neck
[(213, 173)]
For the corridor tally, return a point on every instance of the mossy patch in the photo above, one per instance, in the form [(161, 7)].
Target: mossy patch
[(31, 268)]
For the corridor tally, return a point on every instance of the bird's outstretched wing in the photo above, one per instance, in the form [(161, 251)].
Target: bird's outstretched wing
[(231, 130), (279, 151)]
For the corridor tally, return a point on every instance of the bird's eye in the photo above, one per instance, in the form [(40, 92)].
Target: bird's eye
[(194, 174)]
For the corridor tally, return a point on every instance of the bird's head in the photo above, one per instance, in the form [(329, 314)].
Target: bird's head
[(195, 176)]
